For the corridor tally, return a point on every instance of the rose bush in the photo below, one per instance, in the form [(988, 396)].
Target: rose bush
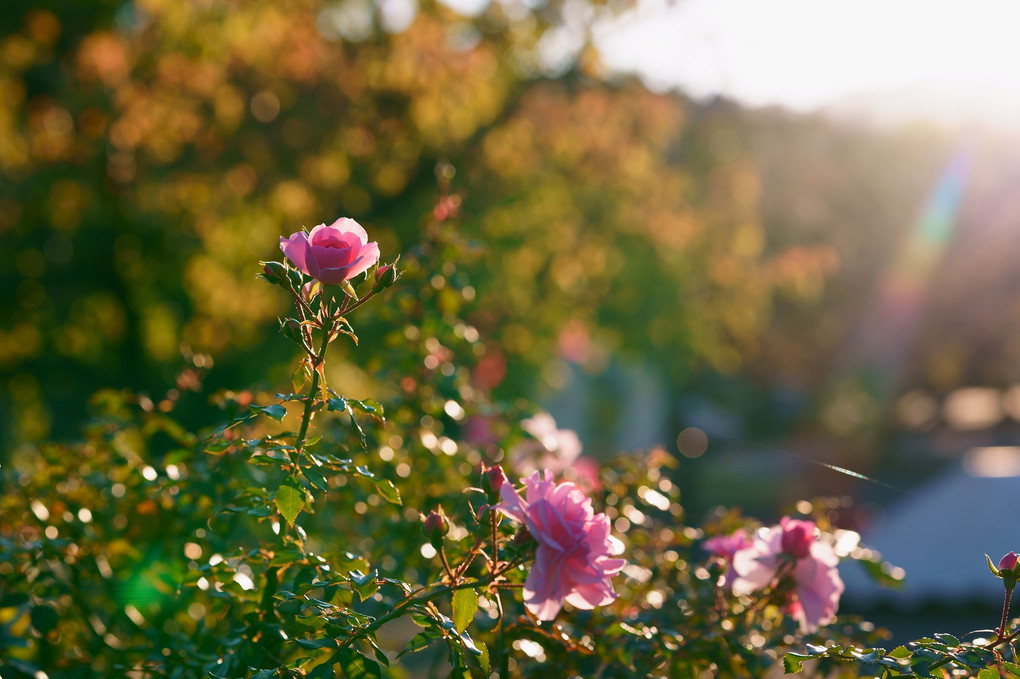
[(573, 562), (791, 548), (331, 254)]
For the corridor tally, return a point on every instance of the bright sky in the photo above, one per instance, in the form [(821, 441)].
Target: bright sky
[(941, 59)]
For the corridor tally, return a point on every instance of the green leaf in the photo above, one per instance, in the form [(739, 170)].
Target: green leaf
[(388, 491), (324, 642), (794, 662), (316, 478), (364, 584), (368, 406), (359, 430), (357, 666), (483, 657), (900, 652), (275, 411), (338, 404), (323, 671), (44, 618), (947, 639), (988, 673), (1012, 668), (465, 605), (290, 499)]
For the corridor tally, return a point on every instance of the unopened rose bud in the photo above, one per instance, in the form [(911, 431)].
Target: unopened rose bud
[(387, 275), (797, 537), (1008, 562), (435, 527), (276, 273), (493, 479)]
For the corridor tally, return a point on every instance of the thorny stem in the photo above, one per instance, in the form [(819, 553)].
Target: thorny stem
[(494, 518), (501, 654), (446, 566), (1005, 611), (415, 599), (470, 557), (317, 361)]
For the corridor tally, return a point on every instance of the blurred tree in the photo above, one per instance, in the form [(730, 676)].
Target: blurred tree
[(150, 151)]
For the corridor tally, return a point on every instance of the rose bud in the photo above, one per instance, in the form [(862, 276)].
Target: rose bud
[(276, 273), (493, 479), (1008, 562), (435, 526), (797, 537), (386, 275)]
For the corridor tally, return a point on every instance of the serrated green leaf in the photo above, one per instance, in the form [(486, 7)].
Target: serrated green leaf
[(290, 499), (483, 657), (357, 666), (338, 404), (364, 584), (465, 605), (948, 639), (316, 478), (1012, 668), (900, 652), (275, 411), (794, 662), (988, 673), (388, 491)]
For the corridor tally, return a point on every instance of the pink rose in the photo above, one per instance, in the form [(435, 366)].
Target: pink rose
[(573, 562), (817, 585), (331, 254)]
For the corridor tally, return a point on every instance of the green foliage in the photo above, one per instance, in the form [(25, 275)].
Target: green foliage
[(266, 548)]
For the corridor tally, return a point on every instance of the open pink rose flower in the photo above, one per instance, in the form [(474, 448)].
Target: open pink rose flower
[(817, 585), (331, 254), (573, 562)]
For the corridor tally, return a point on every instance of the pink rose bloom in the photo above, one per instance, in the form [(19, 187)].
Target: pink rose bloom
[(552, 448), (817, 585), (331, 254), (573, 562)]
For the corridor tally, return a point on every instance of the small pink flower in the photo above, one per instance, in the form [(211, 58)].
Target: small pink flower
[(573, 562), (817, 585), (725, 546), (331, 254)]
